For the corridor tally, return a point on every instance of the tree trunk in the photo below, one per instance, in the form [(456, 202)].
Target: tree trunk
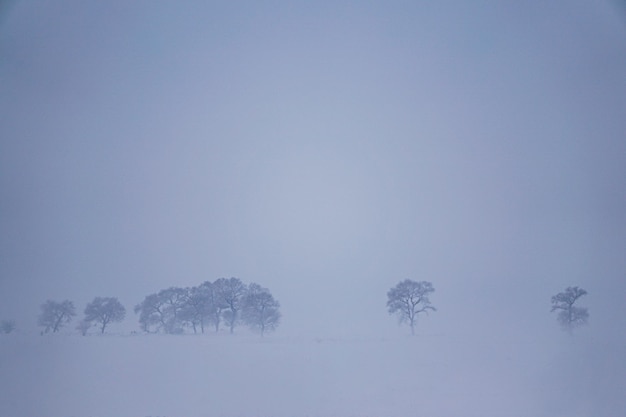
[(233, 319), (57, 323)]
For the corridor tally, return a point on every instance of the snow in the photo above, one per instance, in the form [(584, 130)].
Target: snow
[(245, 375)]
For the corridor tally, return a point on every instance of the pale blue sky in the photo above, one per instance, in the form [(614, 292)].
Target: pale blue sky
[(324, 150)]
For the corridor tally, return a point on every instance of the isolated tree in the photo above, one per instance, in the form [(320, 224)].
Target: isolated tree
[(260, 311), (570, 316), (408, 299), (229, 293), (104, 310), (55, 315), (7, 326)]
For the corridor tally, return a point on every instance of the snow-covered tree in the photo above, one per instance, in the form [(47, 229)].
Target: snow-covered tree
[(408, 299), (104, 310), (570, 316), (152, 315), (54, 315), (260, 311), (163, 311), (229, 293), (198, 308), (174, 299)]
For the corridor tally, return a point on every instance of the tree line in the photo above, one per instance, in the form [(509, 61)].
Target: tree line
[(226, 302), (175, 310), (230, 302)]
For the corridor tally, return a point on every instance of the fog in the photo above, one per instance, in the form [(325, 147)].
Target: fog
[(326, 151)]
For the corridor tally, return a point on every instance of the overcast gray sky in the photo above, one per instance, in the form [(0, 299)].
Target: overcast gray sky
[(326, 150)]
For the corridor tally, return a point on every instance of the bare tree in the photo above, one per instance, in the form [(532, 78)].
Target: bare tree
[(174, 299), (7, 326), (198, 307), (570, 316), (162, 311), (408, 299), (55, 315), (152, 316), (260, 311), (151, 313), (229, 294), (104, 310)]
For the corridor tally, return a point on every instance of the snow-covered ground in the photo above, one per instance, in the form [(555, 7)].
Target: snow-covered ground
[(244, 375)]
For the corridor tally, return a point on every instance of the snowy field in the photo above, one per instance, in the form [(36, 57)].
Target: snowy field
[(243, 375)]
